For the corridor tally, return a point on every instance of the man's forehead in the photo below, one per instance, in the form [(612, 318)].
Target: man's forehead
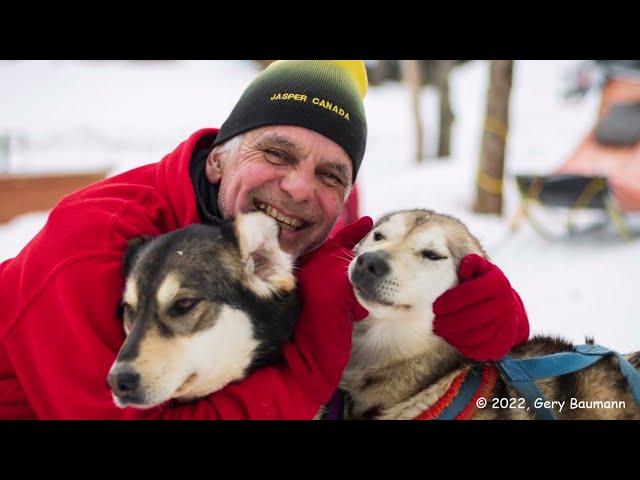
[(302, 141), (280, 138)]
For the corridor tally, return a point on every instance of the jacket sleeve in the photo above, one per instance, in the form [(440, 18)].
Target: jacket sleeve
[(65, 340)]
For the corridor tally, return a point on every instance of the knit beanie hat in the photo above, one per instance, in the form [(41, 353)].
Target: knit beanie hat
[(321, 95)]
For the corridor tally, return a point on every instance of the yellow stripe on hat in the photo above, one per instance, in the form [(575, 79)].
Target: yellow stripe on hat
[(358, 73)]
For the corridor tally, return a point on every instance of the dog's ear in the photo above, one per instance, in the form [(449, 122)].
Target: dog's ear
[(134, 247), (267, 268)]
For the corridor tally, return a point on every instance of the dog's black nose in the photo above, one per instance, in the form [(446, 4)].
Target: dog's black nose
[(374, 263), (123, 381)]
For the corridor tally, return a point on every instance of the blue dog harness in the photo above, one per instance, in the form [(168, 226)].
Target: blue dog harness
[(521, 373)]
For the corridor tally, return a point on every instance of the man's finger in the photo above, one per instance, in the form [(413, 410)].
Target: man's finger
[(353, 233), (472, 266), (470, 292), (470, 317)]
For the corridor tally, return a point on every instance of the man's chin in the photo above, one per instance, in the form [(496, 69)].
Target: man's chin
[(292, 242), (300, 242)]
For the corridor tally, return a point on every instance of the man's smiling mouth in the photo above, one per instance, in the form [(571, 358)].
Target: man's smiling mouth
[(286, 222)]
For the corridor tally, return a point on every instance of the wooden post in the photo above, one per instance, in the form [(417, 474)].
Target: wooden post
[(412, 77), (443, 69), (489, 182)]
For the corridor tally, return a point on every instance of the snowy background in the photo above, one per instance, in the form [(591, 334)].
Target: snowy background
[(74, 116)]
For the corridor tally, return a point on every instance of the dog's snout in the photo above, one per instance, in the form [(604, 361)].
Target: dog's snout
[(123, 381), (374, 263)]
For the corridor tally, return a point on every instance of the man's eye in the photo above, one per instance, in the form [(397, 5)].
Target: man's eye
[(431, 255), (378, 236), (277, 157), (183, 305), (332, 180)]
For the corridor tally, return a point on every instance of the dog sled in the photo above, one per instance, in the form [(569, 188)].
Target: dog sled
[(599, 184)]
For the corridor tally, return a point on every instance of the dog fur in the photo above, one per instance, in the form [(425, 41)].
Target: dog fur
[(203, 306), (399, 367)]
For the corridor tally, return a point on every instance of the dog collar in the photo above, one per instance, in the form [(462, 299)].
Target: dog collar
[(459, 401)]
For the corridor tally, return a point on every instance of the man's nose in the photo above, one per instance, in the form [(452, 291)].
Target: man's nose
[(299, 183)]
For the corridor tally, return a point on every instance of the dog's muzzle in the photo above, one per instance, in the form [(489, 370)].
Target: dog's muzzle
[(370, 277)]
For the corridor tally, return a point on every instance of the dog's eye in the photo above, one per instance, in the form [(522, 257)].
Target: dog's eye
[(183, 305), (128, 325), (378, 236), (431, 255), (126, 309)]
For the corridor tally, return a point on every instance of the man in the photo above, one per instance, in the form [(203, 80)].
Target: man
[(292, 145)]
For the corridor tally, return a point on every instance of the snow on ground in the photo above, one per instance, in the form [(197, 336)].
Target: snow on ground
[(84, 115)]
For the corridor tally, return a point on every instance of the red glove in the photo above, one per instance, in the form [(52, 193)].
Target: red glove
[(323, 279), (322, 336), (483, 316)]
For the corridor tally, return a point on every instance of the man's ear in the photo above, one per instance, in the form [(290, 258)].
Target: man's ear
[(267, 268), (134, 247), (213, 168)]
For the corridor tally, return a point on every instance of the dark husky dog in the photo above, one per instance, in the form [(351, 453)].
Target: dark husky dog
[(203, 306), (399, 369)]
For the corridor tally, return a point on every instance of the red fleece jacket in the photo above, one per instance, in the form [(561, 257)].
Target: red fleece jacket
[(59, 331)]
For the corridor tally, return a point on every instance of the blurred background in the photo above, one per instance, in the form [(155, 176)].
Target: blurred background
[(541, 159)]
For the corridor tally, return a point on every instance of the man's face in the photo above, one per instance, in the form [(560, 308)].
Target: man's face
[(298, 176)]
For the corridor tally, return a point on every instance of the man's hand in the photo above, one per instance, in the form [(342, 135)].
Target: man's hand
[(322, 337), (483, 316), (323, 278)]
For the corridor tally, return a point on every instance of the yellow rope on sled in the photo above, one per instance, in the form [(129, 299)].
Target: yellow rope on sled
[(617, 220), (594, 187), (531, 195)]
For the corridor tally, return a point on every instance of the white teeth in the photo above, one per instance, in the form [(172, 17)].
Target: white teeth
[(272, 212)]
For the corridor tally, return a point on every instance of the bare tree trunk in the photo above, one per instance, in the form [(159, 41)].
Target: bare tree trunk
[(443, 68), (489, 182), (412, 77), (382, 71)]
